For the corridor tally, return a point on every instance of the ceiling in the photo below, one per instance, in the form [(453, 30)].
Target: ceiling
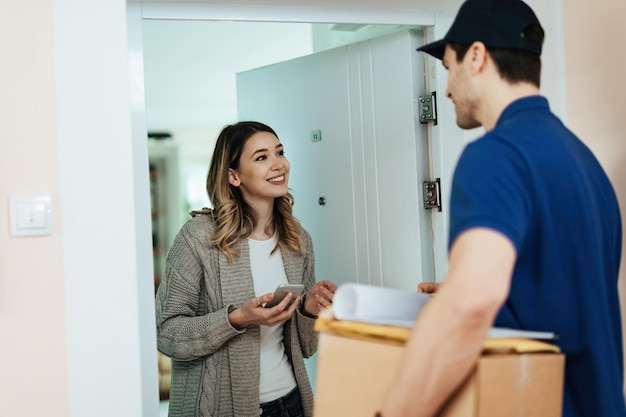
[(190, 66)]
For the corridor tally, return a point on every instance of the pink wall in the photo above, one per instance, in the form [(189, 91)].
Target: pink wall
[(595, 62), (34, 379)]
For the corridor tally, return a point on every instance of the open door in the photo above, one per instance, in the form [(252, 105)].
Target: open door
[(358, 155)]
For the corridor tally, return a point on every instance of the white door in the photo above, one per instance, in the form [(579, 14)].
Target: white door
[(357, 190)]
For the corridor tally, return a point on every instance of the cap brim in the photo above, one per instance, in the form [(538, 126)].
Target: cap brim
[(435, 49)]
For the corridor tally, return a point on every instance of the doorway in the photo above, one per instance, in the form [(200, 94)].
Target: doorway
[(150, 11)]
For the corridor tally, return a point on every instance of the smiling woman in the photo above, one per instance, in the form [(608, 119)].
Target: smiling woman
[(221, 272)]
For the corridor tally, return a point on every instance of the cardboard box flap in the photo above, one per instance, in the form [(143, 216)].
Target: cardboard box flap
[(400, 335), (517, 345), (326, 322)]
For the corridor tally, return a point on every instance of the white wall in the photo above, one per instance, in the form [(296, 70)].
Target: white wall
[(67, 128), (105, 210)]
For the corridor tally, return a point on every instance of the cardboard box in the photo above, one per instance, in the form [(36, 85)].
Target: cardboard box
[(354, 374)]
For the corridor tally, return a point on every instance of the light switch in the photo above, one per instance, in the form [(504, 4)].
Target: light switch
[(31, 215)]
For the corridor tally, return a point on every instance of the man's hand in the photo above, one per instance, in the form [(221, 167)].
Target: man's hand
[(428, 287)]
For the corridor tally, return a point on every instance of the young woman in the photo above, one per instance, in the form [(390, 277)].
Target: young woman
[(231, 355)]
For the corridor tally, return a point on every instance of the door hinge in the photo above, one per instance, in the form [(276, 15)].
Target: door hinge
[(431, 190), (427, 105)]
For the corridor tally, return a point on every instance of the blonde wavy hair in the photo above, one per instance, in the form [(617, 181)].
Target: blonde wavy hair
[(233, 216)]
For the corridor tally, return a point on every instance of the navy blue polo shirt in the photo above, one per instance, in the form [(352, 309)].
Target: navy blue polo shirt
[(533, 180)]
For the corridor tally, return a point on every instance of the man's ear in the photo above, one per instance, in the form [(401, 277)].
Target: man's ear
[(233, 178), (477, 55)]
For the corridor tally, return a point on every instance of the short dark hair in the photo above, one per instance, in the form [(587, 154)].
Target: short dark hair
[(514, 65)]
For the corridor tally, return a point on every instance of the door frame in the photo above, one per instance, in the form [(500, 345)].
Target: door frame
[(435, 25), (284, 14)]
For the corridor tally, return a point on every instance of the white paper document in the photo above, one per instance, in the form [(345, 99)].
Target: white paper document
[(379, 305), (395, 307)]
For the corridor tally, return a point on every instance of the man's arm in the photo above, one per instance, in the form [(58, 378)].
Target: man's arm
[(448, 334)]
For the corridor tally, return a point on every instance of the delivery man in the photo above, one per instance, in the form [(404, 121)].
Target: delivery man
[(535, 230)]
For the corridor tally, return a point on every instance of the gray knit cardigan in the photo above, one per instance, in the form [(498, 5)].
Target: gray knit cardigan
[(215, 367)]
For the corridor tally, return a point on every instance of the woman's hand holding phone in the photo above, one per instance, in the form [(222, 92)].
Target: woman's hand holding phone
[(259, 311)]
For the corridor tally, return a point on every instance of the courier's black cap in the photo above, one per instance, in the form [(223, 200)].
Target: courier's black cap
[(496, 23)]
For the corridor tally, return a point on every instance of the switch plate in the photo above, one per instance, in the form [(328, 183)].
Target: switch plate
[(30, 215)]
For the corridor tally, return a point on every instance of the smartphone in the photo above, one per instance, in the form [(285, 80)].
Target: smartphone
[(281, 292)]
